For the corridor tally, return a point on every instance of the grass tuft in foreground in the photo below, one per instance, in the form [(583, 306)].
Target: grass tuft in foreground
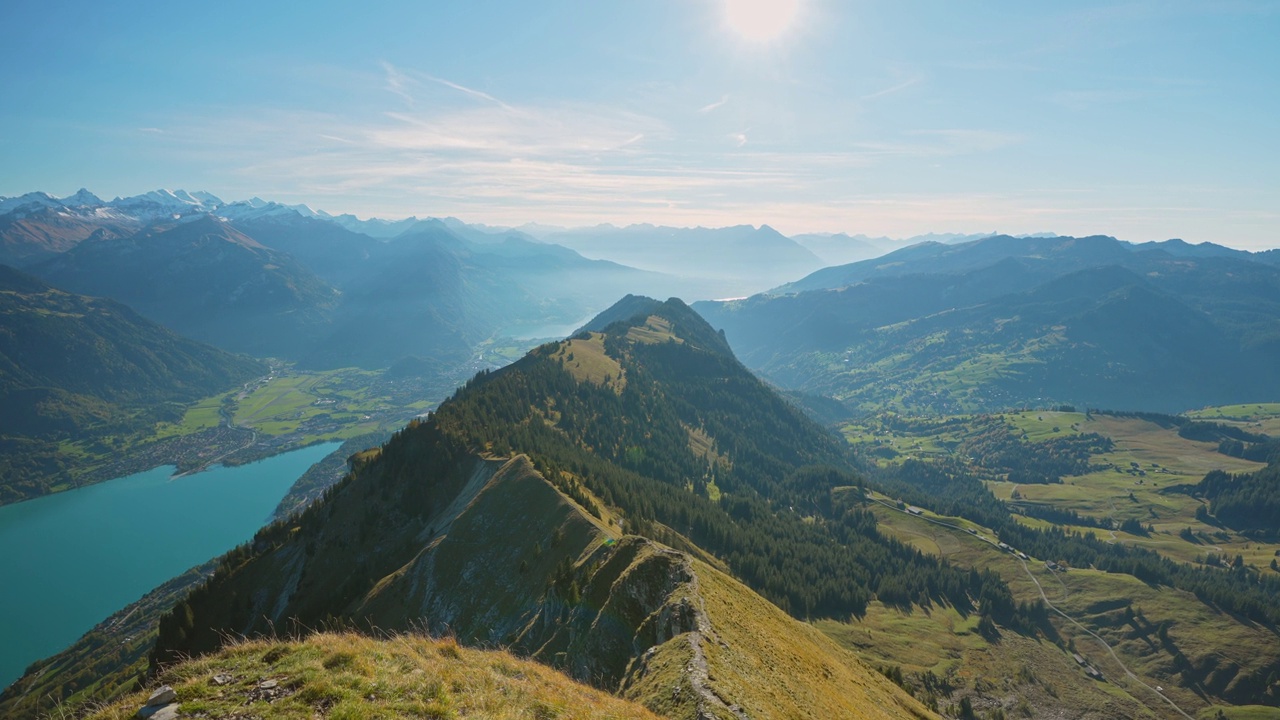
[(355, 677)]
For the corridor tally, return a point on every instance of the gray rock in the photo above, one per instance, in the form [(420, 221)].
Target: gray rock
[(223, 679), (159, 712), (163, 696)]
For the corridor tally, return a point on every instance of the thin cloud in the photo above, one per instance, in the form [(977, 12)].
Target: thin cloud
[(891, 90), (396, 82), (469, 91), (151, 130), (717, 104)]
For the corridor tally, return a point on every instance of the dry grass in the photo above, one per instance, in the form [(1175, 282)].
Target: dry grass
[(587, 361), (654, 330), (777, 667), (350, 677)]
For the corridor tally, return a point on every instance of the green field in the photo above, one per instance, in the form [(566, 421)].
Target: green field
[(1130, 482), (1016, 673), (328, 405), (943, 642), (1255, 417), (1167, 637), (286, 409)]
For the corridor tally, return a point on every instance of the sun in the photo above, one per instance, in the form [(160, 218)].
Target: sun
[(760, 20)]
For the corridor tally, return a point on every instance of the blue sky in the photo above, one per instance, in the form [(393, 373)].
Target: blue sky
[(1143, 120)]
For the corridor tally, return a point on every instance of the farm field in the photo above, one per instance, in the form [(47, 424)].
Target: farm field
[(1090, 473), (287, 409), (1159, 634), (1133, 480)]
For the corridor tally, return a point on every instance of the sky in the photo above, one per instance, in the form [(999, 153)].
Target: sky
[(1141, 120)]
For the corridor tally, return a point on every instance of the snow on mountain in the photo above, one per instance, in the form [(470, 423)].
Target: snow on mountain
[(156, 205), (204, 198), (307, 212), (30, 202), (255, 208), (82, 199), (167, 203)]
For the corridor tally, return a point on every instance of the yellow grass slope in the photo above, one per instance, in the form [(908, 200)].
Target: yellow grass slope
[(350, 676), (777, 667)]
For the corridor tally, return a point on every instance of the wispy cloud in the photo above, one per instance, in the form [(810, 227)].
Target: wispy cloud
[(717, 104), (397, 82), (469, 91), (401, 82), (893, 89), (151, 130), (451, 149)]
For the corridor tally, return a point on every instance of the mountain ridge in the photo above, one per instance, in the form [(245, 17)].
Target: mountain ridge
[(139, 370), (453, 525), (205, 279), (1007, 322)]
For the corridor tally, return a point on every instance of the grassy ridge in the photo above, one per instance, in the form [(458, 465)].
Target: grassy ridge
[(350, 676)]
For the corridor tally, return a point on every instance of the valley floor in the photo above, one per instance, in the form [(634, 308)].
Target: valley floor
[(1128, 648)]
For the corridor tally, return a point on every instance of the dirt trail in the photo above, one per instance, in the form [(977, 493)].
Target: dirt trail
[(697, 670), (1104, 643)]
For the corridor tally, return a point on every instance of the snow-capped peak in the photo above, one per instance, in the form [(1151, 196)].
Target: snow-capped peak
[(166, 203), (82, 199), (307, 212), (254, 208), (29, 202), (201, 197)]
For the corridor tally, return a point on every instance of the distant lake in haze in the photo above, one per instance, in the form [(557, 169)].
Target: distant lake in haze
[(69, 560), (553, 331)]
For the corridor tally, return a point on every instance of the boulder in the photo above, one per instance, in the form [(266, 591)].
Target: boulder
[(163, 696)]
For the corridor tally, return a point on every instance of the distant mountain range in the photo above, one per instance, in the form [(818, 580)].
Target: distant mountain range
[(327, 291), (715, 262), (1006, 322), (841, 249), (205, 279), (687, 262), (289, 282)]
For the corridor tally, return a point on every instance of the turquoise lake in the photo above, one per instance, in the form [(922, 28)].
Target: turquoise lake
[(69, 560)]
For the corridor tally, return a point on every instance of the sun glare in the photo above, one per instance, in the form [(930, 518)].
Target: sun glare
[(760, 20)]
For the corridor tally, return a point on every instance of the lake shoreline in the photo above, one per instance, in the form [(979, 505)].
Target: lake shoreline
[(85, 553)]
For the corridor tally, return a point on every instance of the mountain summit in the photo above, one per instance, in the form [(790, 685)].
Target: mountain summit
[(562, 507)]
